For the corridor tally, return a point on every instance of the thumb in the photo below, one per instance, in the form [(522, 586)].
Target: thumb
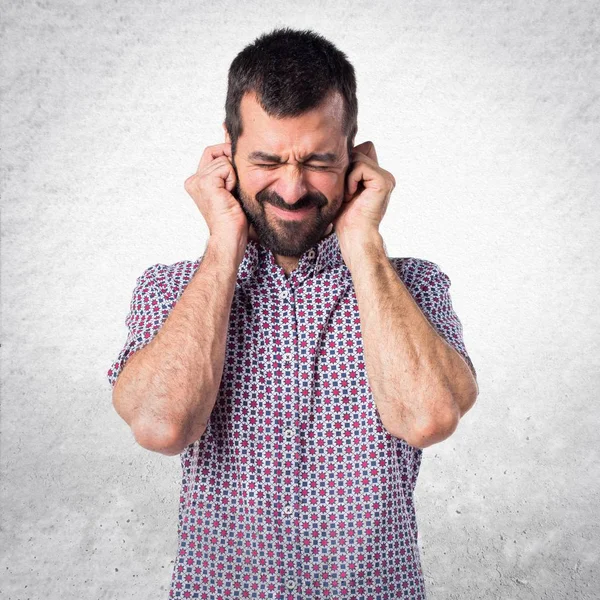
[(230, 181)]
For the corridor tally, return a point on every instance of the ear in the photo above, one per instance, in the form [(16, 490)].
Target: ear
[(227, 138)]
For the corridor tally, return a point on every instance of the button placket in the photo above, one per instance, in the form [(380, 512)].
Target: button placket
[(288, 360), (289, 370)]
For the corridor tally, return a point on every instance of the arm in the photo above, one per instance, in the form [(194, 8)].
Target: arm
[(168, 388), (421, 385)]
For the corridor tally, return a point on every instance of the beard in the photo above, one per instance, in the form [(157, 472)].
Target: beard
[(286, 237)]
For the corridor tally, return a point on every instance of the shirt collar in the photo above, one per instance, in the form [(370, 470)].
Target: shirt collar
[(325, 254)]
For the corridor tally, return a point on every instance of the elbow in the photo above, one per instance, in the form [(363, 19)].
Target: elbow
[(158, 436), (435, 431)]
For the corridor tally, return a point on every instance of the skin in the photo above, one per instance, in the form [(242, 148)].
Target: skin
[(294, 183)]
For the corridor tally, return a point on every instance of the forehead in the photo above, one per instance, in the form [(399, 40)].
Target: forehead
[(319, 129)]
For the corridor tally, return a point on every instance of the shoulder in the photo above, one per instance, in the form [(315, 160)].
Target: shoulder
[(169, 280), (417, 272)]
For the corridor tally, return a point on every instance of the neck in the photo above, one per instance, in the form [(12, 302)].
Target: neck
[(287, 263)]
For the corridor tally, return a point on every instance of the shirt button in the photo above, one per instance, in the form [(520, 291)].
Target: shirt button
[(289, 433), (283, 295), (288, 509), (287, 357), (311, 254), (291, 584)]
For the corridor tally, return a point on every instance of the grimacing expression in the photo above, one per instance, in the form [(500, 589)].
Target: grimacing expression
[(290, 174)]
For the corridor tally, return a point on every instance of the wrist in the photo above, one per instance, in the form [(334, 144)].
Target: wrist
[(229, 247), (361, 245)]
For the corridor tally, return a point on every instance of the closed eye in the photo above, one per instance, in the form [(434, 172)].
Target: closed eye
[(310, 166)]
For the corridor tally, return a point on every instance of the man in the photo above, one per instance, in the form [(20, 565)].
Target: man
[(296, 368)]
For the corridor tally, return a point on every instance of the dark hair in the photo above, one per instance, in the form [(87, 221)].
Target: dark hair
[(290, 72)]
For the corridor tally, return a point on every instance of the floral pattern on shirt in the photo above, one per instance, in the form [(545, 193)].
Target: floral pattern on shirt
[(295, 490)]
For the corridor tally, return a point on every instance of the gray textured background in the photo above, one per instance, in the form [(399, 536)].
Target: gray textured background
[(487, 113)]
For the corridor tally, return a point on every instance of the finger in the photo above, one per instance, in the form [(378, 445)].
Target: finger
[(222, 169), (368, 149), (371, 152), (230, 180), (219, 174), (362, 157), (212, 152), (359, 174), (351, 184), (217, 150)]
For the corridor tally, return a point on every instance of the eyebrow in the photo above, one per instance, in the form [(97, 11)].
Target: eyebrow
[(327, 157)]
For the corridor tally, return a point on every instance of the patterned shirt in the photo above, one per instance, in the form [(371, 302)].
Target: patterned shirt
[(295, 490)]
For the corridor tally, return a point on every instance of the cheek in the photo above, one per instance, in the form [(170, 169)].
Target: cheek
[(330, 184), (256, 181), (337, 188)]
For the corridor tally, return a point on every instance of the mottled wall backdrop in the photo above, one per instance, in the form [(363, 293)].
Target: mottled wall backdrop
[(486, 112)]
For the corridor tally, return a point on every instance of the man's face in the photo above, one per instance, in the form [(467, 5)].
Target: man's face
[(289, 196)]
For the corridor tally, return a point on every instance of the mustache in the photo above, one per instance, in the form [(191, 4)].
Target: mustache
[(307, 201)]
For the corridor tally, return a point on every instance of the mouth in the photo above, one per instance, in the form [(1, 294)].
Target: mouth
[(292, 215)]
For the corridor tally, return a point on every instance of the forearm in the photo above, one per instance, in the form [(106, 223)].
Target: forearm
[(168, 388), (417, 379)]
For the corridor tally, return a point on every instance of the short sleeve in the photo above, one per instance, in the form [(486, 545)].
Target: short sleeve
[(143, 321), (429, 286)]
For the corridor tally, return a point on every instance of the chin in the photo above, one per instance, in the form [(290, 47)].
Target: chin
[(291, 244)]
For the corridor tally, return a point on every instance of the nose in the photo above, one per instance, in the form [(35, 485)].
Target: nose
[(291, 185)]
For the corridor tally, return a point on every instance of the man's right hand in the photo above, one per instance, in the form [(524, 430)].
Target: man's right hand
[(210, 188)]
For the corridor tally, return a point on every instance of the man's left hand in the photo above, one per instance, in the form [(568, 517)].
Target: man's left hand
[(367, 192)]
